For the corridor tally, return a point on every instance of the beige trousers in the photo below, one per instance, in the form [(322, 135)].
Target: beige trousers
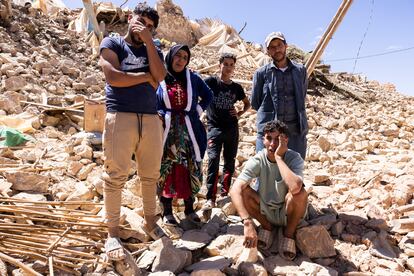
[(126, 134)]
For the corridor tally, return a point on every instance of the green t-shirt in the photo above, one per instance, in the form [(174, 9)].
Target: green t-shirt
[(272, 188)]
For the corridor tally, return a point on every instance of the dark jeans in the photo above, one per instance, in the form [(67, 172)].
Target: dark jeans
[(218, 138)]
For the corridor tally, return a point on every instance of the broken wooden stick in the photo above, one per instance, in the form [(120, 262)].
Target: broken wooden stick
[(19, 264)]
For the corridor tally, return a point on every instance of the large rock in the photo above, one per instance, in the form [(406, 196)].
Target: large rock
[(209, 272), (27, 181), (168, 257), (315, 242), (229, 246), (193, 239), (250, 269), (216, 262), (14, 83), (315, 269), (276, 265)]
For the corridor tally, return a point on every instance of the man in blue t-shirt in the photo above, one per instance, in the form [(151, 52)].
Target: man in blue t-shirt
[(133, 67), (280, 200), (223, 128)]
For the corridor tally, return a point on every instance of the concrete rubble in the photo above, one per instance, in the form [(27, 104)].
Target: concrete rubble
[(359, 170)]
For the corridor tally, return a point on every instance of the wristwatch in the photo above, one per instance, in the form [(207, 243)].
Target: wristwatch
[(244, 219)]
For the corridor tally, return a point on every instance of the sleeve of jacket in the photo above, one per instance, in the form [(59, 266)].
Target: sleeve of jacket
[(160, 102), (257, 90), (204, 92), (305, 81)]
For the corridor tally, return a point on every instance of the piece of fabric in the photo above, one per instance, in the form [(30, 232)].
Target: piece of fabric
[(272, 188), (225, 96), (139, 98), (121, 141), (219, 138), (12, 137)]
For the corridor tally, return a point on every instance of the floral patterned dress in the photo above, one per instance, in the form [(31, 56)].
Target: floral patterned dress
[(181, 174)]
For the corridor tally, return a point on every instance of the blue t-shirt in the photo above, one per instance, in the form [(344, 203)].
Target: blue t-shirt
[(139, 98)]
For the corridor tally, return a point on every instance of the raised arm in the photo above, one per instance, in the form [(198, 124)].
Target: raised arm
[(293, 181), (117, 78)]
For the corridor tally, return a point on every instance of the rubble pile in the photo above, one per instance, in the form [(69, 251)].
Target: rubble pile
[(359, 173)]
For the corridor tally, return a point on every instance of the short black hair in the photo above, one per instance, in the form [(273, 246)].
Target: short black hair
[(276, 125), (143, 9), (227, 55)]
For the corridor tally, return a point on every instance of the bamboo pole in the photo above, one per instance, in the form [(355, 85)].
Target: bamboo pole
[(19, 264), (310, 65)]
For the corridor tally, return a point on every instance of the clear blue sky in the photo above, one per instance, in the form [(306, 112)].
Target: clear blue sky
[(304, 21)]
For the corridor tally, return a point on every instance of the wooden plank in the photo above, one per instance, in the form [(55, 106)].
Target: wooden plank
[(94, 116)]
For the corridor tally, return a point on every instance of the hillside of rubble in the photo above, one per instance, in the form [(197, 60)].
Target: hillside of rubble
[(359, 169)]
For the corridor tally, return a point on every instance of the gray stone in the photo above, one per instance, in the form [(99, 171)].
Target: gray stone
[(193, 239)]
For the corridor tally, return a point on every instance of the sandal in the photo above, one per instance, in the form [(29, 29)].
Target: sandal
[(287, 247), (111, 245), (265, 239), (169, 220), (155, 234)]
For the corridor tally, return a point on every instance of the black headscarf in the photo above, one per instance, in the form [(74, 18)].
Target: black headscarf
[(179, 76)]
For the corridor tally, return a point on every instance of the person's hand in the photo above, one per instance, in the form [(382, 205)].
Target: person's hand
[(140, 29), (282, 148), (233, 112), (250, 235)]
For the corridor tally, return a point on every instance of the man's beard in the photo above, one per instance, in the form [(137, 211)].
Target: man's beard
[(277, 57), (135, 40)]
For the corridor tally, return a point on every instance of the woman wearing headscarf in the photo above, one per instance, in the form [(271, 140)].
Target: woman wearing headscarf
[(181, 99)]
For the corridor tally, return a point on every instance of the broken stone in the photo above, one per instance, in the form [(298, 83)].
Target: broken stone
[(177, 258), (209, 272), (276, 265), (193, 239), (229, 246), (250, 269), (26, 181), (216, 262), (315, 242)]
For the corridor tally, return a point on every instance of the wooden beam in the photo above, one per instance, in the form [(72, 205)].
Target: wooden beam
[(92, 18), (323, 42)]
